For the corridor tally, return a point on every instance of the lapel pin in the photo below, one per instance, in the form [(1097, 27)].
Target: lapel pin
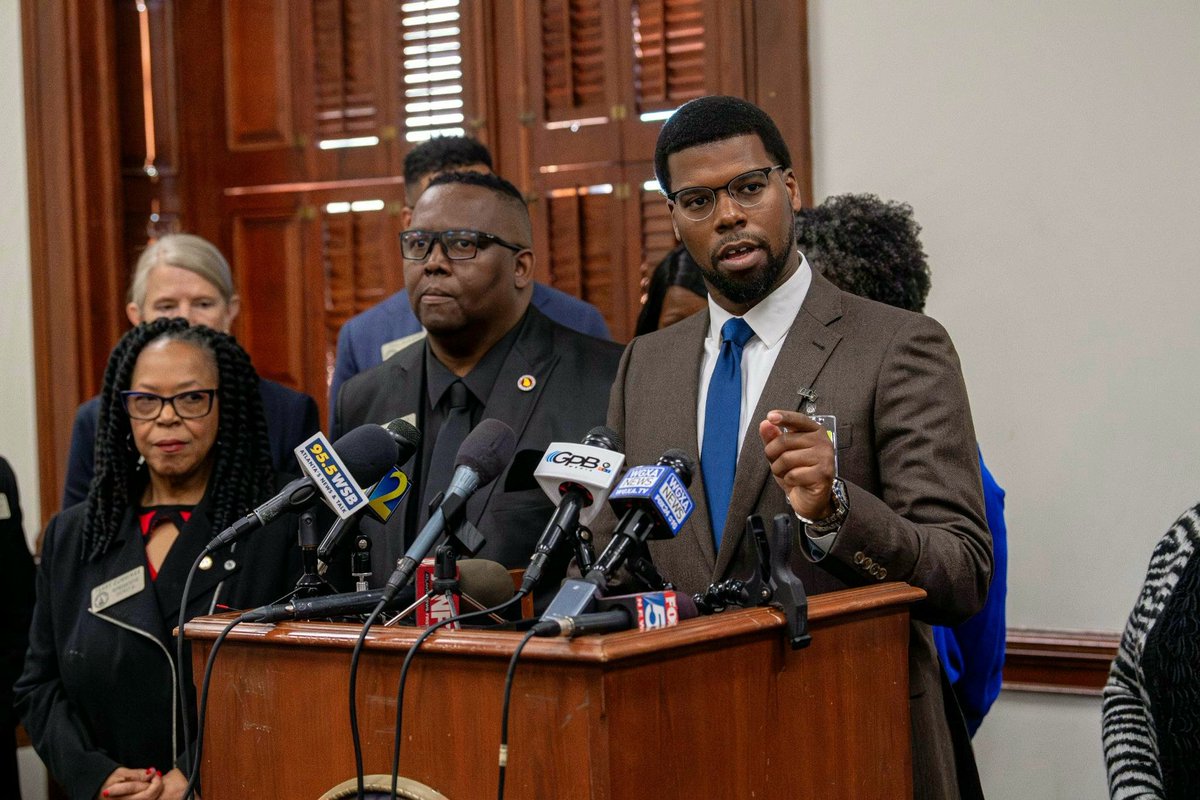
[(230, 564), (206, 562), (526, 383)]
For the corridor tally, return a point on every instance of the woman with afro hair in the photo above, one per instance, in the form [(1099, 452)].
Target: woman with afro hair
[(181, 452)]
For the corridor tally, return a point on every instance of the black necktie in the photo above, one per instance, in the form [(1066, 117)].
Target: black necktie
[(449, 438)]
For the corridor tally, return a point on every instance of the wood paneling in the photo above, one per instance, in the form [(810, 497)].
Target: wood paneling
[(1061, 662), (258, 79)]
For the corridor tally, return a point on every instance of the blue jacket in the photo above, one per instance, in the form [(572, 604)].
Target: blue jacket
[(362, 338), (973, 652)]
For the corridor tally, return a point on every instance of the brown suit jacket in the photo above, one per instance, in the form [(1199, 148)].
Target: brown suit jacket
[(906, 449)]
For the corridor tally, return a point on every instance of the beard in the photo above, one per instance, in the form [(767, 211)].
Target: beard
[(754, 286)]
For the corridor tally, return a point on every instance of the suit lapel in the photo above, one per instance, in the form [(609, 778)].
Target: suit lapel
[(804, 352), (402, 398), (532, 354), (688, 353)]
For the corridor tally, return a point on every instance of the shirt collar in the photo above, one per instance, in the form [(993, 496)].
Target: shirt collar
[(773, 316), (482, 376)]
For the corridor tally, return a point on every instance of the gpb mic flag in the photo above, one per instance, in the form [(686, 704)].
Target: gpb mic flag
[(320, 463), (583, 467)]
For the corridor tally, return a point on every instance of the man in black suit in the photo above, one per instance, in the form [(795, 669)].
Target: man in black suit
[(488, 354)]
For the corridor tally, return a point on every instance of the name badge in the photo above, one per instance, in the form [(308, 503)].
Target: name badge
[(119, 588), (5, 508)]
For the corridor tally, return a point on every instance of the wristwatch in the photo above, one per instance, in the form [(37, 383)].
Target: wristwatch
[(832, 522)]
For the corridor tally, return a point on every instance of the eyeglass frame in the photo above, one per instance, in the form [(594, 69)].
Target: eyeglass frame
[(164, 401), (439, 237), (671, 196)]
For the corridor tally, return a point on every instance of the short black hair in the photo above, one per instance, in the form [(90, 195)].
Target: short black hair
[(714, 119), (868, 247), (490, 181), (443, 153)]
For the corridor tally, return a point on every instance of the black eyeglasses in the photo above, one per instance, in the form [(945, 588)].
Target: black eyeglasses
[(416, 245), (747, 190), (192, 404)]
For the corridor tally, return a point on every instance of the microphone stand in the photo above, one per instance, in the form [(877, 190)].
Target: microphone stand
[(445, 582), (311, 583)]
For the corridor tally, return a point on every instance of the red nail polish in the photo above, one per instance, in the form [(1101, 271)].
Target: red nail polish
[(104, 793)]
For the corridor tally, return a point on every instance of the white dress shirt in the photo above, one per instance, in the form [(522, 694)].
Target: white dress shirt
[(770, 320)]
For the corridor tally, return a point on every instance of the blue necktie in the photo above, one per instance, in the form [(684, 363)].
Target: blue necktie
[(722, 423)]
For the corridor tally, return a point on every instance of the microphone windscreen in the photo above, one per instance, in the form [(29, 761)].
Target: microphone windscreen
[(368, 452), (606, 437), (487, 582), (681, 462), (487, 449), (407, 438)]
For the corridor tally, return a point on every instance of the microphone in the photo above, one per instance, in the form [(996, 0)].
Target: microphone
[(481, 458), (485, 582), (654, 503), (366, 453), (646, 611), (578, 478), (388, 492)]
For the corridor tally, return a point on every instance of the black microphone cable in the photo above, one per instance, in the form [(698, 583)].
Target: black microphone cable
[(412, 651), (194, 777), (354, 738), (508, 684)]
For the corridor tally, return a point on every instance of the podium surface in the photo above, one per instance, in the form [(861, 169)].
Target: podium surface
[(718, 707)]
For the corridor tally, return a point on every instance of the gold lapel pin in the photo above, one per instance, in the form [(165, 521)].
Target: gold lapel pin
[(206, 562), (526, 383)]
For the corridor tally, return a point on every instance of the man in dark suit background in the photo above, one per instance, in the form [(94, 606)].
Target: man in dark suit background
[(489, 354), (897, 498), (368, 338)]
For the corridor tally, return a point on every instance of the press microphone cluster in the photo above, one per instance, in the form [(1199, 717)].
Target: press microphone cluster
[(654, 503), (483, 455), (388, 491), (362, 457), (486, 582), (578, 479)]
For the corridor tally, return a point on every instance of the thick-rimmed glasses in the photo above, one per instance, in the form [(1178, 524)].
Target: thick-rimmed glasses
[(192, 404), (747, 190), (416, 245)]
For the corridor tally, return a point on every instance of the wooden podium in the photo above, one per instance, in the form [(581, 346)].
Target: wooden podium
[(718, 707)]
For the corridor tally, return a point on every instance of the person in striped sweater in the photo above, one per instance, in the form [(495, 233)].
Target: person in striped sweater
[(1151, 711)]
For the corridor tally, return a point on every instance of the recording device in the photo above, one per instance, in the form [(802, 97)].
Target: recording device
[(645, 611), (385, 497), (486, 582), (444, 581), (364, 455), (481, 458), (653, 502), (578, 478)]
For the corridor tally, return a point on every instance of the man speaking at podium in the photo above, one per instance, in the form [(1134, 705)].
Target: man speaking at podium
[(887, 489), (488, 354)]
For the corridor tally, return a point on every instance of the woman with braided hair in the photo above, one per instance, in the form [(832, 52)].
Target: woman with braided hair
[(181, 452)]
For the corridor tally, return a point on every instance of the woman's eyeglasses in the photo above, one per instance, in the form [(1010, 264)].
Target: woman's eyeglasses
[(192, 404)]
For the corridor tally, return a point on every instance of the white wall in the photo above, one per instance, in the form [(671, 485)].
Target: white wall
[(18, 431), (1051, 151)]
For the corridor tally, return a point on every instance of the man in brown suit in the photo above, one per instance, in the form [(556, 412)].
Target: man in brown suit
[(899, 496)]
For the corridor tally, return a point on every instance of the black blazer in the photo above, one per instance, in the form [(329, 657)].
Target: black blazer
[(97, 690), (291, 418), (572, 374)]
